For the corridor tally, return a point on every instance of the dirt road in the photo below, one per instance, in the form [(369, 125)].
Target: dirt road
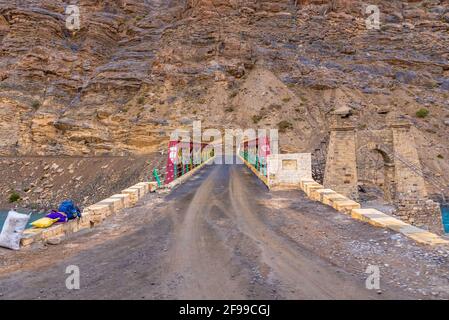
[(222, 235)]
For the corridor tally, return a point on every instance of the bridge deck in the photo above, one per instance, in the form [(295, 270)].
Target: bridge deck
[(222, 234)]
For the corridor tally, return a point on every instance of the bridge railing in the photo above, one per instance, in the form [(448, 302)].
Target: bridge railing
[(259, 163), (255, 153), (182, 158)]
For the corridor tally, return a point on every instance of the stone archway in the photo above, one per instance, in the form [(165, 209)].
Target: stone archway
[(376, 170), (397, 156), (403, 185)]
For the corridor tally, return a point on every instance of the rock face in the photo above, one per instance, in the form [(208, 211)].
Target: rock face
[(138, 69)]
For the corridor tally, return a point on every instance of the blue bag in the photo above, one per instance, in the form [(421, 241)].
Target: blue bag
[(69, 208)]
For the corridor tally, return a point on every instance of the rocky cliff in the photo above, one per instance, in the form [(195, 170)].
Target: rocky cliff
[(137, 69)]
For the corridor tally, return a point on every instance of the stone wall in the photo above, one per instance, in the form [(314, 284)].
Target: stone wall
[(403, 181), (420, 212)]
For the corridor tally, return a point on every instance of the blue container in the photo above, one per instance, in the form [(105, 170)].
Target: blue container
[(445, 217)]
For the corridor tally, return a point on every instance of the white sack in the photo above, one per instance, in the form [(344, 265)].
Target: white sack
[(12, 230)]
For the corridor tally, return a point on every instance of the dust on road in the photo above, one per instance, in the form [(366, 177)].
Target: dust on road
[(221, 235)]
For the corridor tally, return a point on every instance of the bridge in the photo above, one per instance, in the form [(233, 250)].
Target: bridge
[(258, 229), (207, 239)]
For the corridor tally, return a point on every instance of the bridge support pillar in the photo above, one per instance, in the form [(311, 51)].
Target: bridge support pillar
[(411, 193), (341, 164)]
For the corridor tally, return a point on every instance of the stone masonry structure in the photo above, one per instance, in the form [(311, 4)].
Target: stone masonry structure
[(398, 171), (409, 183), (287, 170), (341, 164), (411, 195)]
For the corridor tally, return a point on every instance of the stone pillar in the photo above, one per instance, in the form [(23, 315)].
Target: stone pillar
[(389, 182), (341, 165), (411, 194), (410, 183)]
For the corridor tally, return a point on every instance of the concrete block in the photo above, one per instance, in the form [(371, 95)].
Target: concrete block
[(102, 210), (380, 219), (53, 231), (372, 216), (86, 212), (146, 185), (153, 186), (302, 182), (31, 235), (96, 220), (32, 232), (394, 224), (134, 195), (306, 185), (142, 189), (125, 198), (422, 236), (71, 226), (140, 192), (315, 194), (346, 206), (311, 188), (366, 214), (330, 198), (116, 204), (26, 241), (427, 238), (318, 194), (409, 229), (84, 222), (109, 204)]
